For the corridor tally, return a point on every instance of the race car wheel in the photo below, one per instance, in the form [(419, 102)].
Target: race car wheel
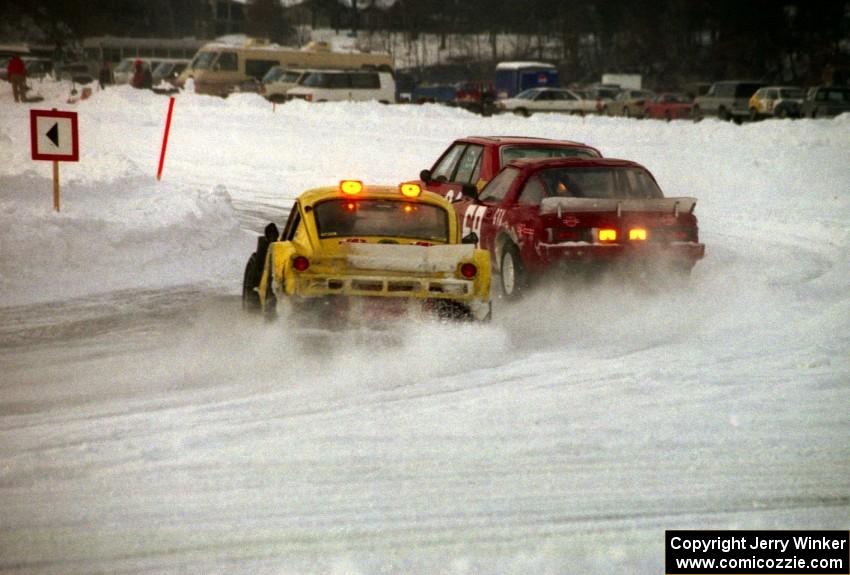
[(522, 112), (250, 298), (513, 277)]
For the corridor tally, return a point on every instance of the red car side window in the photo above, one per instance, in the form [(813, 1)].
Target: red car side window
[(444, 169), (499, 186)]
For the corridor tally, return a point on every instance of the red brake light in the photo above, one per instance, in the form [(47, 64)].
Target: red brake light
[(300, 263), (468, 270)]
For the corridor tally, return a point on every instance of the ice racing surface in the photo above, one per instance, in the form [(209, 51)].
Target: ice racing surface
[(146, 425)]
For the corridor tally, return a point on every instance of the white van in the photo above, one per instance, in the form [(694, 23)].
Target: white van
[(344, 85), (277, 81), (220, 68)]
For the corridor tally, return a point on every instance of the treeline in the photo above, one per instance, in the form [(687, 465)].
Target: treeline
[(667, 41)]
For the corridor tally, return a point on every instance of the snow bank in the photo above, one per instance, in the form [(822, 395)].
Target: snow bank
[(132, 233)]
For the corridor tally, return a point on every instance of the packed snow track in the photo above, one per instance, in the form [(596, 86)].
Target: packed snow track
[(148, 425)]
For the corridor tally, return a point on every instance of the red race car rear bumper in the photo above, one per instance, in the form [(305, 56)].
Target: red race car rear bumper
[(676, 252)]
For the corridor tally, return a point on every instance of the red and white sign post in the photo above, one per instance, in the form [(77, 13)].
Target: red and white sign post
[(54, 137)]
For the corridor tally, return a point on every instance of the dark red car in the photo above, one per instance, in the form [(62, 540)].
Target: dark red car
[(475, 160), (669, 106), (474, 96), (536, 215)]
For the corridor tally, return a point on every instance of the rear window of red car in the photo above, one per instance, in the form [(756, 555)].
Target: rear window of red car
[(599, 182), (509, 153)]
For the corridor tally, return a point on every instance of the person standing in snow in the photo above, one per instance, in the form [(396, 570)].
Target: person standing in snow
[(138, 79), (104, 76), (17, 74)]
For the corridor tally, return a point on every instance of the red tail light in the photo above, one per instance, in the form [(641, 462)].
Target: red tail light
[(468, 270), (300, 263)]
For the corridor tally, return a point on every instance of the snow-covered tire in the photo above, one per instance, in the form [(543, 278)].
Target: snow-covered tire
[(513, 278), (250, 280)]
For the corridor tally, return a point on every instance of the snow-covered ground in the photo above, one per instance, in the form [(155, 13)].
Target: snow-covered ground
[(146, 425)]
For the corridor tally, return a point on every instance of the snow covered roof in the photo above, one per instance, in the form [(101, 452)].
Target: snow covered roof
[(517, 65)]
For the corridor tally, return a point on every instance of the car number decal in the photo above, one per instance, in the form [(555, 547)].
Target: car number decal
[(472, 220), (499, 217)]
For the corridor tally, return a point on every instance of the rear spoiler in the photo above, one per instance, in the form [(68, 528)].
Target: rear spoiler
[(672, 205)]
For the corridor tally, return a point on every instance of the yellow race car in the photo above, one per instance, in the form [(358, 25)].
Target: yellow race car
[(355, 253)]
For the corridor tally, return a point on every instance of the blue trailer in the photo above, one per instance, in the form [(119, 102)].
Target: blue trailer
[(514, 77)]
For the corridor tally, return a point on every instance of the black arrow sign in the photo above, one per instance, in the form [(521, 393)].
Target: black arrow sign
[(53, 134)]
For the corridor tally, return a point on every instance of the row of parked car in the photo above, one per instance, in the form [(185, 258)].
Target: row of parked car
[(162, 69), (730, 100)]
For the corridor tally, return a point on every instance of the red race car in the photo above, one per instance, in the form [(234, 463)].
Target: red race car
[(577, 213), (475, 160), (669, 107)]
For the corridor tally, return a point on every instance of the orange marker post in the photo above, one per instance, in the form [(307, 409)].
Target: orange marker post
[(165, 138)]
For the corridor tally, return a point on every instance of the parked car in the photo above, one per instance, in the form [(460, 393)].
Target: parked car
[(475, 96), (590, 102), (669, 106), (356, 253), (433, 94), (628, 103), (779, 101), (475, 160), (168, 71), (515, 77), (578, 215), (728, 100), (826, 101), (123, 72), (342, 85), (541, 100), (601, 94), (277, 81)]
